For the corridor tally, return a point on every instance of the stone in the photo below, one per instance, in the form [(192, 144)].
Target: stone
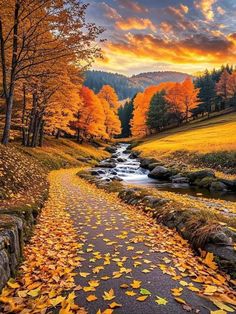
[(161, 173), (180, 180), (145, 162), (231, 184), (218, 186), (94, 172), (110, 149), (133, 155), (106, 165), (121, 159), (205, 182), (154, 165), (199, 175), (116, 178)]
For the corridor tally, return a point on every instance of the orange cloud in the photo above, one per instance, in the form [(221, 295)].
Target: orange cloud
[(197, 49), (206, 7), (220, 10), (132, 6), (135, 23), (178, 11)]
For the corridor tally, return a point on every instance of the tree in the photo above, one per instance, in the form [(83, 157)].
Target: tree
[(126, 114), (175, 98), (207, 93), (37, 32), (158, 112), (108, 93), (90, 118), (190, 96), (223, 88)]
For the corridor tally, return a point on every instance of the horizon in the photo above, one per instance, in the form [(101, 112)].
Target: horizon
[(150, 36)]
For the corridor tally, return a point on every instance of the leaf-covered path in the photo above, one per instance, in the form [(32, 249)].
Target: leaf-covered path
[(114, 259)]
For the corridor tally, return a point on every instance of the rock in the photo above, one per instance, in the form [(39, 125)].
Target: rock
[(94, 173), (154, 165), (145, 162), (220, 237), (110, 149), (101, 172), (133, 155), (178, 178), (127, 151), (231, 184), (205, 182), (114, 155), (113, 172), (218, 186), (161, 173), (106, 165), (198, 175), (121, 159), (116, 178)]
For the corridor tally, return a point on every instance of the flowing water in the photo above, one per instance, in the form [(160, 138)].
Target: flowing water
[(129, 170)]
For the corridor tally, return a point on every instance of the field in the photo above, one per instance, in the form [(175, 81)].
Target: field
[(210, 141)]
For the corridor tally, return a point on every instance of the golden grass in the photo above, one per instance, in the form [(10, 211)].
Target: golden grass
[(213, 135), (57, 153)]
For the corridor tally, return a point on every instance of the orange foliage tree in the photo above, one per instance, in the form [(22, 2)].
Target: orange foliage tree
[(110, 104), (223, 87), (190, 96), (142, 101)]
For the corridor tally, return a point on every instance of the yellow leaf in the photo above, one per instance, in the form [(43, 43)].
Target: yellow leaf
[(12, 284), (109, 295), (161, 301), (114, 305), (124, 286), (91, 298), (84, 274), (34, 293), (54, 302), (179, 300), (142, 298), (130, 293), (87, 289), (218, 312), (136, 284), (209, 261), (93, 283), (209, 290), (223, 306)]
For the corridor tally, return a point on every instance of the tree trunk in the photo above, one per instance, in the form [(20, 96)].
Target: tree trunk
[(9, 93), (23, 118), (58, 134), (41, 133), (7, 126), (32, 118)]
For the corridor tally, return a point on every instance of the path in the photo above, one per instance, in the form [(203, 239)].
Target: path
[(120, 248)]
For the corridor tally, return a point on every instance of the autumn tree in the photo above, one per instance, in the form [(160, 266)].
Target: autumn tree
[(190, 97), (108, 93), (37, 32), (90, 117), (223, 88)]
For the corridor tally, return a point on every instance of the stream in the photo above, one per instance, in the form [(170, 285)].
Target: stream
[(129, 170)]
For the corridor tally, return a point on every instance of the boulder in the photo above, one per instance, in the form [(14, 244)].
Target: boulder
[(116, 178), (94, 172), (133, 155), (218, 186), (145, 162), (205, 182), (231, 184), (121, 159), (180, 180), (161, 173), (199, 175), (106, 165), (110, 149), (154, 165)]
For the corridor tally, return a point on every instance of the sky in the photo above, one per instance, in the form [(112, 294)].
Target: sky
[(165, 35)]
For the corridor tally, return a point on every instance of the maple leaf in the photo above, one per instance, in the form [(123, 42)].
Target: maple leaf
[(54, 302), (109, 295), (161, 301), (136, 284), (130, 293)]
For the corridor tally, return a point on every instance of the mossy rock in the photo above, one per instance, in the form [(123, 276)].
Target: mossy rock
[(205, 182)]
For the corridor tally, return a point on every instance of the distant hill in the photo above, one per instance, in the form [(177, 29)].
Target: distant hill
[(127, 87), (154, 78)]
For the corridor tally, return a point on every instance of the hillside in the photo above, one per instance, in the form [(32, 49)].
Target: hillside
[(127, 87), (154, 78), (206, 143)]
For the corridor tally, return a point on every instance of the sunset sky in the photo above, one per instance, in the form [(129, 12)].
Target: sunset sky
[(158, 35)]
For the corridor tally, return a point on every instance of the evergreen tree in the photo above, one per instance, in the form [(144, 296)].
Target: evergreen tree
[(157, 116), (126, 114)]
